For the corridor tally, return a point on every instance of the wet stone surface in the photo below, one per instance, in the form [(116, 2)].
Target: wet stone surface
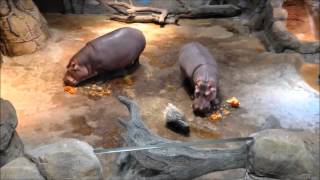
[(267, 84)]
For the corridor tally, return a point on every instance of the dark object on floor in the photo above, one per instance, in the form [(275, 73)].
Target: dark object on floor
[(200, 69), (176, 121), (117, 50)]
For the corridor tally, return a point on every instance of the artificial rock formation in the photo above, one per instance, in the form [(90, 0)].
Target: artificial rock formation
[(282, 154), (20, 168), (66, 159), (11, 145), (274, 153), (23, 30), (270, 17)]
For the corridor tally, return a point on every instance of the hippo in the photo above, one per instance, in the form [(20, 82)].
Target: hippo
[(200, 70), (117, 50)]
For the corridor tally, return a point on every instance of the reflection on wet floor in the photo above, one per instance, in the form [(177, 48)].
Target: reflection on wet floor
[(311, 74)]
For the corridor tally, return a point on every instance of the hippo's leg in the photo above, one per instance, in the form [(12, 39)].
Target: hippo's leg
[(130, 68), (119, 72), (215, 104), (186, 83)]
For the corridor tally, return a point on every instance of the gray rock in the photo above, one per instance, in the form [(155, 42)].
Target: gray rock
[(15, 149), (281, 154), (279, 14), (271, 123), (8, 123), (20, 168), (281, 38), (67, 159), (275, 3), (309, 47)]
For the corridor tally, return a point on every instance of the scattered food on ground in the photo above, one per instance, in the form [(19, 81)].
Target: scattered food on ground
[(233, 102), (70, 89)]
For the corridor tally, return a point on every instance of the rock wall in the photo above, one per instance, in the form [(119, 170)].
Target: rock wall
[(11, 145), (66, 159), (270, 17), (23, 30)]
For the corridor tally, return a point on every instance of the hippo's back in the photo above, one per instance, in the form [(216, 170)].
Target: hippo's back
[(117, 48), (123, 38), (192, 55)]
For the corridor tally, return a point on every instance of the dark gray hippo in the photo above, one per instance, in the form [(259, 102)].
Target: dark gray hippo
[(119, 49), (200, 70)]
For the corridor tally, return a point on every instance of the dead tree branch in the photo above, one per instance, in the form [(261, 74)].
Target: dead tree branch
[(172, 162), (130, 13)]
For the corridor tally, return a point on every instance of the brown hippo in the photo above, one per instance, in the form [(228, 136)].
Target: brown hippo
[(200, 69), (113, 51)]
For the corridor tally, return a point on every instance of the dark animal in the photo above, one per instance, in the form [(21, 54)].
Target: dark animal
[(119, 49), (200, 69), (176, 121)]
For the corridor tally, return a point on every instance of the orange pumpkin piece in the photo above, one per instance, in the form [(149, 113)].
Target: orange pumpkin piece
[(70, 89), (233, 102), (128, 80), (215, 117), (225, 112)]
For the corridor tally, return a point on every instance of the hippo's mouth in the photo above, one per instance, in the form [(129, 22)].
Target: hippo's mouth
[(70, 81)]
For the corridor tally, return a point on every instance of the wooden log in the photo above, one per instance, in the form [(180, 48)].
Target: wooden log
[(143, 19), (171, 162), (130, 14)]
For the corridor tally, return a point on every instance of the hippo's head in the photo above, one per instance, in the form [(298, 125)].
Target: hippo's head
[(75, 73), (204, 95)]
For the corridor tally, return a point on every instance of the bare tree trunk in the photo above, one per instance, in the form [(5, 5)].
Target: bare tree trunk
[(171, 162), (23, 30), (130, 13)]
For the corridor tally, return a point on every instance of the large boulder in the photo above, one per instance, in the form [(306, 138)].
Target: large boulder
[(11, 145), (20, 168), (281, 154), (23, 29), (13, 151), (8, 123), (67, 159)]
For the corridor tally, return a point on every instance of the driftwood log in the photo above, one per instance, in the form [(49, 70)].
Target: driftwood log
[(171, 162), (23, 30), (129, 13)]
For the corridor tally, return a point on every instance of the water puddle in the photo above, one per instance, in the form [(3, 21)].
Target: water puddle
[(310, 73)]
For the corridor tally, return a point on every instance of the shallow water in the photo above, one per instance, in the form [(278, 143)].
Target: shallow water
[(311, 74)]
